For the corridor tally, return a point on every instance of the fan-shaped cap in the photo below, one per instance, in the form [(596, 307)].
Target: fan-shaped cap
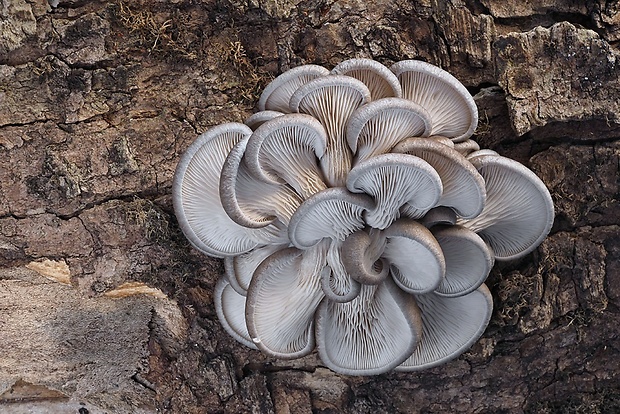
[(450, 326), (467, 147), (371, 334), (230, 309), (332, 100), (240, 269), (463, 186), (453, 111), (381, 82), (518, 213), (286, 149), (259, 118), (196, 198), (376, 127), (250, 202), (468, 260), (282, 299), (393, 180), (276, 95), (438, 216), (418, 264), (337, 283), (332, 213)]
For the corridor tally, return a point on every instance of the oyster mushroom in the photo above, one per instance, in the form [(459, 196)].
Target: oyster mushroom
[(282, 299), (381, 82), (277, 94), (336, 282), (370, 335), (286, 149), (518, 213), (196, 197), (259, 118), (450, 326), (375, 128), (230, 309), (240, 269), (332, 100), (452, 109), (393, 180), (249, 202)]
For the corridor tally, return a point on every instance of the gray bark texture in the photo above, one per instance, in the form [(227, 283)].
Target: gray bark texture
[(105, 307)]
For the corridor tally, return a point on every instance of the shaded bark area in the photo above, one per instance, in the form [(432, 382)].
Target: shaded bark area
[(97, 102)]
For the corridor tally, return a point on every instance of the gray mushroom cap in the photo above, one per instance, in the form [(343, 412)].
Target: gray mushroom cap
[(375, 128), (361, 257), (259, 118), (463, 187), (450, 326), (452, 108), (333, 213), (240, 269), (282, 299), (393, 180), (518, 213), (332, 100), (371, 334), (286, 149), (197, 204), (381, 82), (277, 94), (249, 202)]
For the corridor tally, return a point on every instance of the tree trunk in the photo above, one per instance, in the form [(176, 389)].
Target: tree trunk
[(104, 305)]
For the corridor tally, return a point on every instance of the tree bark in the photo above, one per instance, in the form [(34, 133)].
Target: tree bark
[(105, 307)]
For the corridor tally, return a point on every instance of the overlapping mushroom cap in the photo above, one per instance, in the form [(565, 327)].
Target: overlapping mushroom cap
[(356, 216)]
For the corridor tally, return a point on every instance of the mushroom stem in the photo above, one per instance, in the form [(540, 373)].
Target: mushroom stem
[(336, 282)]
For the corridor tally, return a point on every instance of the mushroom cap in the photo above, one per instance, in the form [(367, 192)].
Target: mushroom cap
[(518, 213), (468, 260), (276, 95), (463, 187), (249, 202), (467, 147), (452, 108), (450, 326), (332, 100), (240, 269), (286, 149), (230, 309), (361, 258), (438, 216), (393, 180), (417, 261), (376, 127), (381, 82), (196, 198), (371, 334), (332, 213), (282, 299), (259, 118)]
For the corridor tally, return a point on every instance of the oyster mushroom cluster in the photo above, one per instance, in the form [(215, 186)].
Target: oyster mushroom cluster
[(356, 216)]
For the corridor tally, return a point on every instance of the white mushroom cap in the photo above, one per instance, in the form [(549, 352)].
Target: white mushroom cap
[(240, 269), (286, 149), (196, 198), (376, 127), (230, 309), (282, 299), (450, 326), (276, 95), (332, 213), (259, 118), (453, 111), (371, 334), (332, 100), (381, 82), (418, 264), (337, 283), (518, 213), (250, 202), (468, 260), (393, 180), (463, 187)]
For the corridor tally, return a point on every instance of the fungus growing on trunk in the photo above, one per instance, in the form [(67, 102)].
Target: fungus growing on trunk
[(356, 216)]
